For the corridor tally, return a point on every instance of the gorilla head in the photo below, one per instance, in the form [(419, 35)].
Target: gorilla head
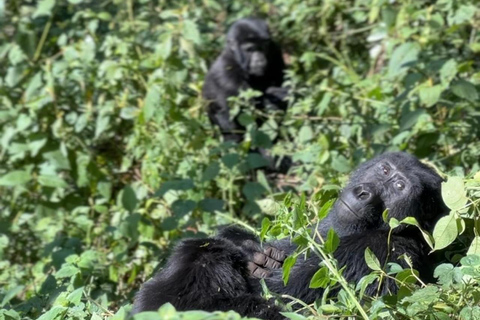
[(249, 41), (395, 181)]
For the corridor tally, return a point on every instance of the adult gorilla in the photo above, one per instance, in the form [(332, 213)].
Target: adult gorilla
[(220, 273), (250, 60)]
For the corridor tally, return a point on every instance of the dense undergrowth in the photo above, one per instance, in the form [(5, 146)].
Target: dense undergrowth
[(107, 157)]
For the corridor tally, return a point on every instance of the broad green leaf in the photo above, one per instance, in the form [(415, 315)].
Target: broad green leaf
[(178, 185), (129, 199), (412, 221), (372, 260), (341, 164), (287, 266), (53, 313), (190, 31), (445, 231), (67, 271), (448, 71), (15, 178), (152, 102), (211, 205), (320, 279), (453, 193), (265, 226), (211, 171), (52, 181), (430, 95), (332, 241), (44, 8), (231, 160), (268, 206), (305, 134), (474, 246), (402, 57), (325, 210), (465, 90), (164, 48), (293, 316)]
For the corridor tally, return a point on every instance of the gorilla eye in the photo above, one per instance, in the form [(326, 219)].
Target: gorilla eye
[(385, 169), (400, 185)]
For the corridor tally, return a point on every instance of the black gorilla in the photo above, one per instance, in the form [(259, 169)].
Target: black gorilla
[(250, 60), (220, 273)]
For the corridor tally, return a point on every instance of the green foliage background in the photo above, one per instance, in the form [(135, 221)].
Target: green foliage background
[(107, 157)]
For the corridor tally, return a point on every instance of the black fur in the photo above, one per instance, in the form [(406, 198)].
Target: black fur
[(259, 67), (212, 274)]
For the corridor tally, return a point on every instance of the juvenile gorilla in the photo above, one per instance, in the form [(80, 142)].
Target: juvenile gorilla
[(220, 273), (250, 60)]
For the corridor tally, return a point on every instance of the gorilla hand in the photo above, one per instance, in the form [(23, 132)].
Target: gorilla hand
[(263, 262)]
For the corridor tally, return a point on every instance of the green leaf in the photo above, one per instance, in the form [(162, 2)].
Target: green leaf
[(287, 267), (52, 181), (268, 206), (190, 31), (448, 71), (430, 95), (341, 164), (67, 271), (255, 161), (231, 160), (293, 316), (453, 193), (129, 199), (320, 279), (465, 90), (305, 134), (211, 205), (402, 57), (265, 226), (372, 260), (323, 212), (474, 246), (164, 48), (15, 178), (44, 8), (152, 102), (178, 185), (53, 313), (412, 221), (445, 231), (211, 171), (253, 190), (332, 241)]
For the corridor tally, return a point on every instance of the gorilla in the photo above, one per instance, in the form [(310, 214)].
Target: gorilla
[(221, 273), (250, 60)]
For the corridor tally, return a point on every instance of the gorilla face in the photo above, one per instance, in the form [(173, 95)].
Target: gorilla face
[(255, 53), (394, 181), (249, 40)]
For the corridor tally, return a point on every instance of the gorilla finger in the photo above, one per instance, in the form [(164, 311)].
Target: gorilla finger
[(257, 272), (260, 258), (276, 254), (272, 264)]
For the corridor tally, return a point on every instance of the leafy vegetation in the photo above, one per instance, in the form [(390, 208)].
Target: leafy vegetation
[(107, 157)]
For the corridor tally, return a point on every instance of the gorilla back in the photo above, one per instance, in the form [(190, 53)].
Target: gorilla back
[(250, 60), (222, 273)]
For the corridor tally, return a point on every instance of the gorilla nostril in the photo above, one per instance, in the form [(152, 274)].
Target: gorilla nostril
[(364, 195), (361, 193)]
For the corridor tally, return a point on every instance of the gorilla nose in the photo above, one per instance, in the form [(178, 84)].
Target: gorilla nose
[(362, 192)]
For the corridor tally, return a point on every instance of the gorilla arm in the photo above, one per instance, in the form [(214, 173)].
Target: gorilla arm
[(351, 254)]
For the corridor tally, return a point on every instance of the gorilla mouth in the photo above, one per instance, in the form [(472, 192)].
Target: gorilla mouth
[(348, 208)]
